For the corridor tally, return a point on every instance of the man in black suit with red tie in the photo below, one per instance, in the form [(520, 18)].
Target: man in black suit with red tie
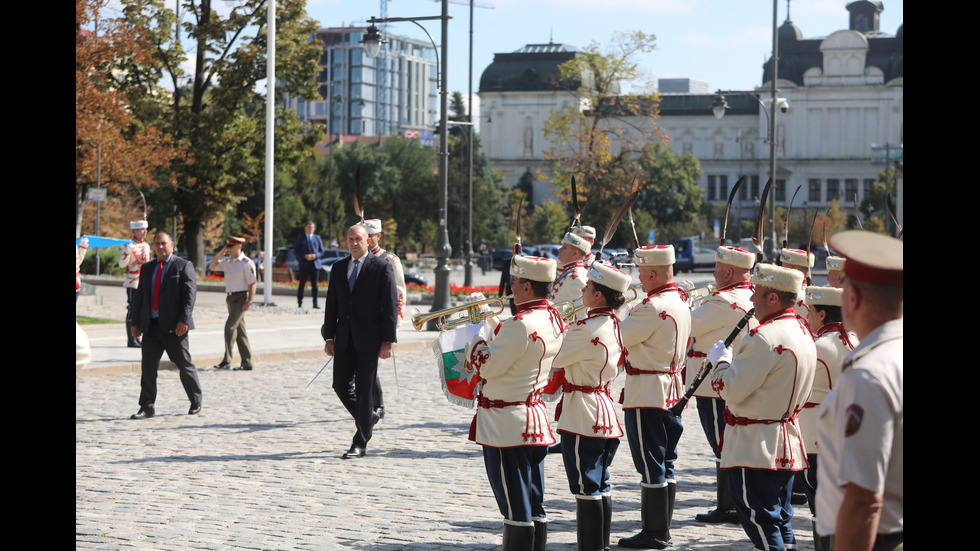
[(359, 322), (162, 310)]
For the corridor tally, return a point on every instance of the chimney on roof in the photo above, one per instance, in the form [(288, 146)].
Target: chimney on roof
[(865, 16)]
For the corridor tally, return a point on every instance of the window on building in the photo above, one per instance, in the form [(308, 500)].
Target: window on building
[(754, 186), (833, 189), (712, 188), (814, 190), (780, 191), (723, 186), (850, 189), (869, 184)]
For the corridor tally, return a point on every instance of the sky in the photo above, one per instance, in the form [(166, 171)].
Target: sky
[(722, 42)]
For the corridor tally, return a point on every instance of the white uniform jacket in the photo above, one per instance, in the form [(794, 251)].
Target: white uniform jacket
[(862, 430), (764, 388), (833, 345), (514, 367), (713, 321), (592, 355), (569, 283), (133, 256), (656, 334), (396, 267)]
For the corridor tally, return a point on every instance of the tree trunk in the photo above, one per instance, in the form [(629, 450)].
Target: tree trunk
[(80, 190), (194, 241)]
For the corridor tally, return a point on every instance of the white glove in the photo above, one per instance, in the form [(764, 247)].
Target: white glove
[(720, 353), (478, 297), (686, 284)]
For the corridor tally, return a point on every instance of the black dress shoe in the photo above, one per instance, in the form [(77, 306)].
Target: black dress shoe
[(316, 307), (145, 412), (223, 365), (195, 409), (134, 344), (241, 368), (354, 452), (716, 516)]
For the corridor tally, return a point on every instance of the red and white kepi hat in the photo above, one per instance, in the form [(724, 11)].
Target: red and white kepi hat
[(735, 256), (871, 257), (796, 257), (604, 274), (533, 268), (778, 278), (373, 226), (656, 255)]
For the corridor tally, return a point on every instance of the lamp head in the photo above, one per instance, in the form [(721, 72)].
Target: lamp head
[(372, 40), (719, 106)]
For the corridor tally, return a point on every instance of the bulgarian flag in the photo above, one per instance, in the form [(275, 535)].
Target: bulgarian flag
[(459, 383)]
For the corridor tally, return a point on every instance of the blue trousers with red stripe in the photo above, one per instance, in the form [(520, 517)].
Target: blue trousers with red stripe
[(762, 501), (516, 476), (587, 463), (653, 435)]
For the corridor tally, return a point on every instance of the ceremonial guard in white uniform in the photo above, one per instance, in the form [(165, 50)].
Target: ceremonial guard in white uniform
[(833, 343), (374, 247), (801, 261), (656, 333), (592, 356), (860, 499), (511, 421), (835, 267), (131, 257), (587, 233), (713, 320), (571, 278), (765, 386)]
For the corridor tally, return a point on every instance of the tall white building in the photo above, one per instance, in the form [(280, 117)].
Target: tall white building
[(845, 92), (394, 94)]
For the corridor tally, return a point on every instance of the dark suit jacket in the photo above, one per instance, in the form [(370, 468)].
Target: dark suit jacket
[(368, 316), (303, 248), (178, 289)]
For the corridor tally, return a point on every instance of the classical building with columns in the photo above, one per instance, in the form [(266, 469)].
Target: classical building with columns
[(844, 95)]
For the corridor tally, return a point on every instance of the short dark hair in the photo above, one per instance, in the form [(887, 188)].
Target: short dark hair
[(614, 298), (832, 313), (539, 289)]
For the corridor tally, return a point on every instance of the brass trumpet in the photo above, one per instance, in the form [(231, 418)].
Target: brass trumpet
[(698, 294), (570, 309), (474, 314)]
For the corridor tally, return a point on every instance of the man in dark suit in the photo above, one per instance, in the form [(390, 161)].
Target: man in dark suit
[(308, 249), (359, 322), (163, 304)]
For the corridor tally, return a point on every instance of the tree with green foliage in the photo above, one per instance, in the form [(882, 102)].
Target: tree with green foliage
[(113, 142), (550, 223), (671, 193), (598, 140), (215, 111)]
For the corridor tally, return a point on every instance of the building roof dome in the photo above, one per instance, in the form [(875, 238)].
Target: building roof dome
[(533, 67)]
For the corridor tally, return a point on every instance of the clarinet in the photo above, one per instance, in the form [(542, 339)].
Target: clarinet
[(678, 408)]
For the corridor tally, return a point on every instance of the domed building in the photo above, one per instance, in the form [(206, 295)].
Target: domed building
[(843, 94)]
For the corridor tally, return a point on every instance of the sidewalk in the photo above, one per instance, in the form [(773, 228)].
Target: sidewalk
[(260, 466)]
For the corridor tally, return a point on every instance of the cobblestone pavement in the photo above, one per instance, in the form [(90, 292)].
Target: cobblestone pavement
[(260, 468)]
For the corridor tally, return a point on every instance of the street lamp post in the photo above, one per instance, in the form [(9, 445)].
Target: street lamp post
[(372, 44), (719, 107), (333, 99)]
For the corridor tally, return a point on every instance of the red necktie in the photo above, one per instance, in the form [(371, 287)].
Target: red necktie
[(156, 286)]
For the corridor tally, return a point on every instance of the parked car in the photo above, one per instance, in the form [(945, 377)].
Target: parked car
[(412, 278), (286, 258), (547, 251), (500, 258)]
